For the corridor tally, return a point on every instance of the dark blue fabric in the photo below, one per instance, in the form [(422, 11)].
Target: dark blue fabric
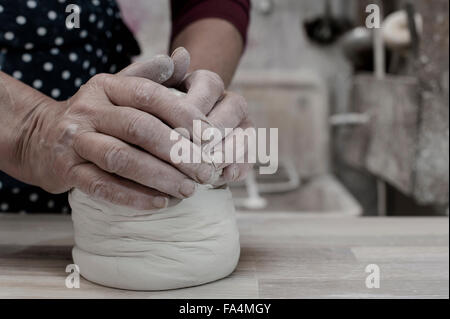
[(38, 49)]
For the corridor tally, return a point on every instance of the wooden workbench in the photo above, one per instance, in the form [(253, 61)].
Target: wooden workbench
[(284, 255)]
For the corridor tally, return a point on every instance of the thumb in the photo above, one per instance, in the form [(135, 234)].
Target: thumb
[(158, 69), (181, 60), (169, 71)]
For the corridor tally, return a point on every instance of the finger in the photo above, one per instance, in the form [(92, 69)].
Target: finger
[(152, 98), (204, 88), (119, 158), (181, 60), (103, 186), (231, 111), (234, 173), (159, 69), (154, 136), (237, 147)]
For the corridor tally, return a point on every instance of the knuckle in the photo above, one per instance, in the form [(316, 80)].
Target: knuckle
[(116, 159), (134, 128), (66, 132), (80, 103), (185, 114), (98, 82), (143, 93), (98, 188), (213, 79), (101, 78), (241, 105)]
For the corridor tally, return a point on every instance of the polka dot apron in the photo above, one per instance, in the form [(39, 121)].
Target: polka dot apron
[(37, 48)]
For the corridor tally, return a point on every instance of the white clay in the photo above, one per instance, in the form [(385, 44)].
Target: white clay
[(191, 243)]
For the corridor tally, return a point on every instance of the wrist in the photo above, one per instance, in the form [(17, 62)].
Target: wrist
[(22, 110)]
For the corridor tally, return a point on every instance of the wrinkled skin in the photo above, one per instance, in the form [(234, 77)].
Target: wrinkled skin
[(111, 139)]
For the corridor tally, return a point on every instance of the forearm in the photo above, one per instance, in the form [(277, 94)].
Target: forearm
[(19, 105), (214, 44)]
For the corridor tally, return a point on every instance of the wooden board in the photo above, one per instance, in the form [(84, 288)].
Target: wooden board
[(284, 255)]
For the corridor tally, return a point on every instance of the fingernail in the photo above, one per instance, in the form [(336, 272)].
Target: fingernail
[(160, 202), (178, 51), (206, 173), (187, 188)]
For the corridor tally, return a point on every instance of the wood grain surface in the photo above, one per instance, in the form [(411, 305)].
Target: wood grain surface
[(284, 255)]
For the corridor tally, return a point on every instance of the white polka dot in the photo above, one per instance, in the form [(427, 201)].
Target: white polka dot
[(29, 46), (61, 1), (4, 207), (73, 57), (1, 9), (65, 210), (108, 34), (1, 185), (113, 68), (54, 51), (86, 64), (88, 47), (21, 20), (52, 15), (119, 47), (109, 11), (78, 82), (9, 35), (17, 75), (33, 197), (31, 4), (100, 24), (48, 66), (56, 93), (92, 71), (59, 41), (104, 59), (99, 53), (50, 204), (65, 75), (83, 34), (27, 57), (41, 31), (95, 2), (92, 18), (15, 190), (37, 84)]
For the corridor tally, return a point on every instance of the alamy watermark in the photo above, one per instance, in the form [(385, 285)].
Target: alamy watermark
[(73, 19), (227, 146), (73, 279), (373, 279)]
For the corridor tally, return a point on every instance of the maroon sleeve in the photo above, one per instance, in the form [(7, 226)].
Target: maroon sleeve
[(184, 12)]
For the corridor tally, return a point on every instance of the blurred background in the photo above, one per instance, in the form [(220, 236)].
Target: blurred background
[(360, 133)]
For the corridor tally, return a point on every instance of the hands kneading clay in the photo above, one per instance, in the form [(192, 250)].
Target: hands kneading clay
[(191, 243)]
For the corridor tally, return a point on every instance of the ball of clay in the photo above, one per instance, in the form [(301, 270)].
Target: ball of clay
[(191, 243)]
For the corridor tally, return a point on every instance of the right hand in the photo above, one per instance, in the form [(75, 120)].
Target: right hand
[(111, 141)]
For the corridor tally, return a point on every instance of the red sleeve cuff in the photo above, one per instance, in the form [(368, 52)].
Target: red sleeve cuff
[(184, 12)]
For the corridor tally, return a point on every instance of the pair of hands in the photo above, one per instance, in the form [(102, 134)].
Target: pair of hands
[(112, 141)]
